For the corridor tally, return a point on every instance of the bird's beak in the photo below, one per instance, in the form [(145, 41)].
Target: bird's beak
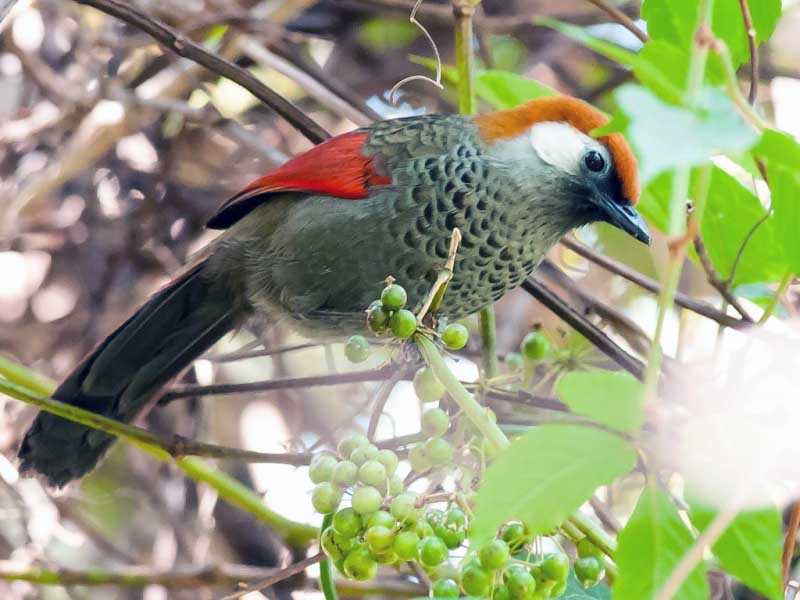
[(625, 217)]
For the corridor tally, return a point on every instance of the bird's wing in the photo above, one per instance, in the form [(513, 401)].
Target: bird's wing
[(337, 167)]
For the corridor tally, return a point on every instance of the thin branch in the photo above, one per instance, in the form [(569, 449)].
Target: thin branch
[(651, 285), (185, 47), (790, 541), (245, 354), (750, 31), (583, 326), (716, 280), (178, 578), (289, 571), (621, 18), (381, 398), (188, 391), (175, 446)]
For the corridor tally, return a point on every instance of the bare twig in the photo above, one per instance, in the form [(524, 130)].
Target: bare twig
[(583, 326), (185, 47), (790, 541), (245, 354), (621, 18), (714, 278), (188, 391), (750, 31), (439, 287), (381, 398), (438, 81), (289, 571), (651, 285)]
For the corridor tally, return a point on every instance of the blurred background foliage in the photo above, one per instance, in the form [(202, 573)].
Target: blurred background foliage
[(113, 152)]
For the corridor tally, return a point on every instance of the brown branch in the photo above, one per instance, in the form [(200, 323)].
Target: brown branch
[(789, 542), (289, 571), (651, 285), (750, 31), (621, 18), (381, 398), (583, 326), (245, 354), (185, 47), (714, 278), (188, 391)]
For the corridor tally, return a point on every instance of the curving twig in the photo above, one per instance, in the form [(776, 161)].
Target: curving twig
[(714, 278), (751, 42), (623, 19), (438, 81)]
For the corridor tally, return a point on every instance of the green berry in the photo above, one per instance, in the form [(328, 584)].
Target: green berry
[(347, 523), (439, 450), (514, 362), (419, 458), (427, 387), (432, 551), (434, 516), (366, 500), (494, 555), (521, 584), (379, 538), (424, 529), (321, 468), (393, 297), (585, 548), (475, 581), (372, 473), (452, 538), (346, 446), (356, 349), (326, 497), (364, 453), (534, 346), (406, 545), (516, 536), (403, 324), (445, 588), (396, 485), (589, 570), (381, 518), (345, 473), (556, 566), (404, 507), (456, 518), (501, 592), (455, 336), (377, 317), (360, 565), (334, 544), (558, 590), (389, 461), (435, 422), (386, 558)]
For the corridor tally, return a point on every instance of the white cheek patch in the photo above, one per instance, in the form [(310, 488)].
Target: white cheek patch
[(559, 144)]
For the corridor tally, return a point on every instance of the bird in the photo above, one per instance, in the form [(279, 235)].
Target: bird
[(310, 244)]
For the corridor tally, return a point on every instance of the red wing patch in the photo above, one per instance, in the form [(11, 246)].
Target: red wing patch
[(336, 168)]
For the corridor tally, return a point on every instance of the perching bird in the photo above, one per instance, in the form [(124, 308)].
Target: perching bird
[(312, 242)]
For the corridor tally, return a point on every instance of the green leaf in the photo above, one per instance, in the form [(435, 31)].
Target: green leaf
[(506, 90), (675, 21), (665, 137), (545, 475), (750, 548), (650, 547), (785, 186), (778, 148), (613, 398), (575, 590), (386, 34), (731, 212)]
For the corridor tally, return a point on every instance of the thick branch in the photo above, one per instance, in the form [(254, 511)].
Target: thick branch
[(185, 47)]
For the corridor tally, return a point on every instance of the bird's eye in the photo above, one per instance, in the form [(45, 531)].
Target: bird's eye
[(594, 161)]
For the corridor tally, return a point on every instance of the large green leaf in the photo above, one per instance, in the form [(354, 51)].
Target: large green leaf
[(675, 21), (785, 186), (778, 148), (750, 548), (613, 398), (506, 90), (666, 136), (545, 475), (650, 546)]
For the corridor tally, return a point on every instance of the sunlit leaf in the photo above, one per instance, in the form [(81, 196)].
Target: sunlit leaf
[(613, 398)]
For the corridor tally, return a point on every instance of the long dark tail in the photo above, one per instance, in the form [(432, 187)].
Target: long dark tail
[(122, 375)]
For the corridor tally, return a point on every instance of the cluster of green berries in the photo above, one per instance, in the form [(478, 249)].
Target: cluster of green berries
[(534, 347), (389, 315)]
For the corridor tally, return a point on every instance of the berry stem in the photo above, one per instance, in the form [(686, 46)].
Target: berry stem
[(326, 576)]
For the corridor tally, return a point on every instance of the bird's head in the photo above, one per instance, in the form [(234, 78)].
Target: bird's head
[(548, 142)]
